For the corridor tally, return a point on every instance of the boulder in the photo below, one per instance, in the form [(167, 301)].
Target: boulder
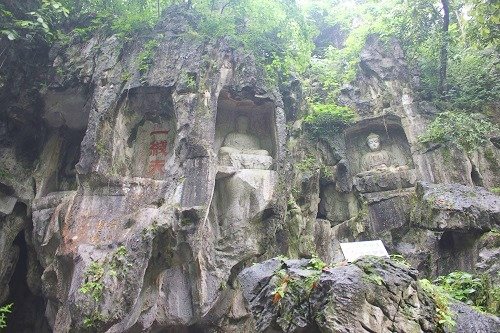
[(373, 294), (370, 295), (455, 207)]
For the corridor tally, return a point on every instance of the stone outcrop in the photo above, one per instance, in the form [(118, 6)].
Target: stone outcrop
[(370, 295), (449, 207)]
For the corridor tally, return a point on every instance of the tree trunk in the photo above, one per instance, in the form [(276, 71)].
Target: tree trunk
[(444, 48)]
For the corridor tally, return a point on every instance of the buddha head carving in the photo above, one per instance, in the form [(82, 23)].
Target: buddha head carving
[(373, 142), (376, 158)]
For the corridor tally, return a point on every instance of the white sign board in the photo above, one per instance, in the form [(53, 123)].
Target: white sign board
[(355, 250)]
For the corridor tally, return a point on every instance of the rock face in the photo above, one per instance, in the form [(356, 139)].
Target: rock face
[(131, 197), (452, 207), (138, 229), (371, 295)]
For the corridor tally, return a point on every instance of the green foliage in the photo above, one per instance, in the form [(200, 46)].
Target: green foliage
[(441, 299), (125, 18), (356, 20), (472, 82), (400, 259), (472, 290), (297, 288), (93, 284), (37, 24), (371, 274), (275, 32), (307, 164), (326, 120), (484, 25), (4, 174), (316, 263), (92, 320), (326, 171), (4, 310), (466, 130), (473, 79), (461, 286), (100, 148), (118, 265), (145, 57), (93, 281)]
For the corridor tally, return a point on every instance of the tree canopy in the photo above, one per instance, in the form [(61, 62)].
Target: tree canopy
[(454, 44)]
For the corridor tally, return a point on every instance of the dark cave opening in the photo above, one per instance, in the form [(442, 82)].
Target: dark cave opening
[(28, 310), (476, 177)]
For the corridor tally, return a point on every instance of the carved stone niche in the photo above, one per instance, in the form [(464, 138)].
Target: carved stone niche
[(379, 155), (336, 206), (143, 133), (245, 135)]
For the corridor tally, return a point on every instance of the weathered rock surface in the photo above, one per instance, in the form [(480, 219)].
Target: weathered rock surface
[(448, 207), (384, 180), (371, 295), (468, 320)]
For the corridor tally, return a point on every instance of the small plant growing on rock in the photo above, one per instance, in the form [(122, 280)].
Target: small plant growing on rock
[(400, 259), (444, 315), (4, 310), (119, 264), (93, 281), (93, 284), (293, 290), (298, 285), (307, 164), (145, 57), (281, 286)]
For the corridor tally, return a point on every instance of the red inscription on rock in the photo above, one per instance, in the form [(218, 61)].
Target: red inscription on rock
[(158, 150)]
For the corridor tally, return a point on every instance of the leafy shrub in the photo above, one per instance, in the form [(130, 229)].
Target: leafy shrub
[(461, 286), (441, 298), (327, 119), (308, 163), (472, 290), (466, 130), (400, 259), (339, 64), (296, 289), (275, 32), (125, 18)]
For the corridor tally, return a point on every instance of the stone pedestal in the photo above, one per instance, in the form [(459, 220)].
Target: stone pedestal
[(387, 179)]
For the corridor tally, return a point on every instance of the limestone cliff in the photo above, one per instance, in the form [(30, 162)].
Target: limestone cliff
[(120, 213)]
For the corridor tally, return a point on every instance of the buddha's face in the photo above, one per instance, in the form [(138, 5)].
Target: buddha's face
[(374, 143), (242, 124)]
